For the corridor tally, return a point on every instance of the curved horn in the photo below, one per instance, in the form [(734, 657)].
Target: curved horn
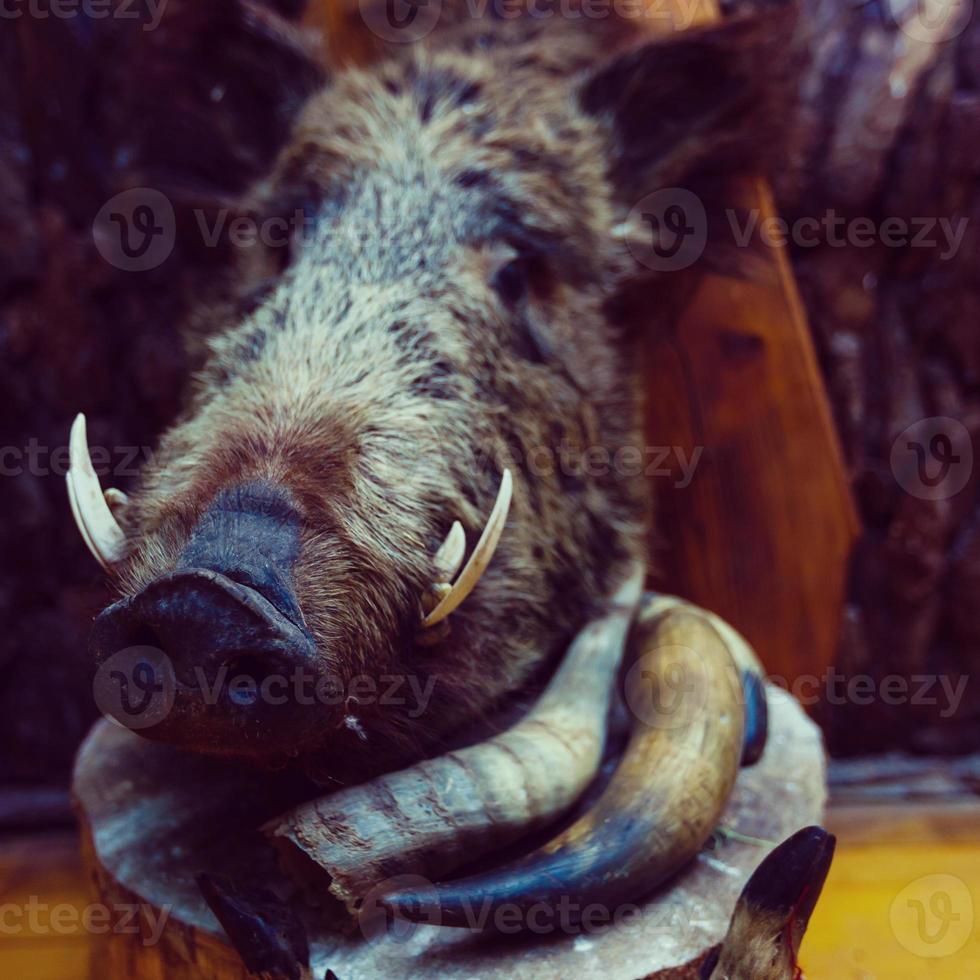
[(99, 529), (773, 911), (435, 816), (663, 802), (480, 558), (749, 666)]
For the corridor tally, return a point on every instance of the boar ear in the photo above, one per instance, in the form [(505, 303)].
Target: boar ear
[(706, 100)]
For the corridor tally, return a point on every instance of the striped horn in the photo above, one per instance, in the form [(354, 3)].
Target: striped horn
[(443, 812), (662, 803)]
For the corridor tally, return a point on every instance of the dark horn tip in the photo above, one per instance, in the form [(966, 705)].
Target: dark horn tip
[(415, 907), (266, 932), (756, 718), (792, 876)]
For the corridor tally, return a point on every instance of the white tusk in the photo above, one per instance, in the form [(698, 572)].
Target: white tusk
[(480, 558), (450, 554), (116, 499), (99, 529)]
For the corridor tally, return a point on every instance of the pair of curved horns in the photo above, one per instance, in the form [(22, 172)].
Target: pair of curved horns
[(450, 555), (663, 802), (435, 816), (99, 529)]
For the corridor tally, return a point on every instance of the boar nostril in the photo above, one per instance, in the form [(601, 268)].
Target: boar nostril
[(146, 636)]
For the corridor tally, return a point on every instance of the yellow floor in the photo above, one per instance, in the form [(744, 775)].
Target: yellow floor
[(902, 900)]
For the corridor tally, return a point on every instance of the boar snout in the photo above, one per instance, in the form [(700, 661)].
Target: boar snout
[(208, 625), (227, 620)]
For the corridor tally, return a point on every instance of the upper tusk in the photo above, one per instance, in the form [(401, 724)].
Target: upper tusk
[(443, 812), (99, 529), (481, 556), (663, 802)]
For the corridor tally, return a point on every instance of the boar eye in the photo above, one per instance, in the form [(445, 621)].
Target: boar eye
[(511, 279)]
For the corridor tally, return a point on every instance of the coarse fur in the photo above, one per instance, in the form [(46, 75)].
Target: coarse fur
[(443, 312)]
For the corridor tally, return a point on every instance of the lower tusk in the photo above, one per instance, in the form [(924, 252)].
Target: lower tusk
[(662, 804), (99, 529), (480, 558), (116, 500), (435, 816), (450, 554)]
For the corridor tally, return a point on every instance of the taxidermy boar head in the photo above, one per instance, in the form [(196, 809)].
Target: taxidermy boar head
[(432, 377)]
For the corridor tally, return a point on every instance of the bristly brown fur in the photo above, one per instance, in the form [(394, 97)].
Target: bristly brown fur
[(385, 377)]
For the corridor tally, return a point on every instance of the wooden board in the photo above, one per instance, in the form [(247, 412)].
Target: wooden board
[(763, 531)]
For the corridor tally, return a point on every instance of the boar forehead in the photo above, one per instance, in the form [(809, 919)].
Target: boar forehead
[(391, 225)]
